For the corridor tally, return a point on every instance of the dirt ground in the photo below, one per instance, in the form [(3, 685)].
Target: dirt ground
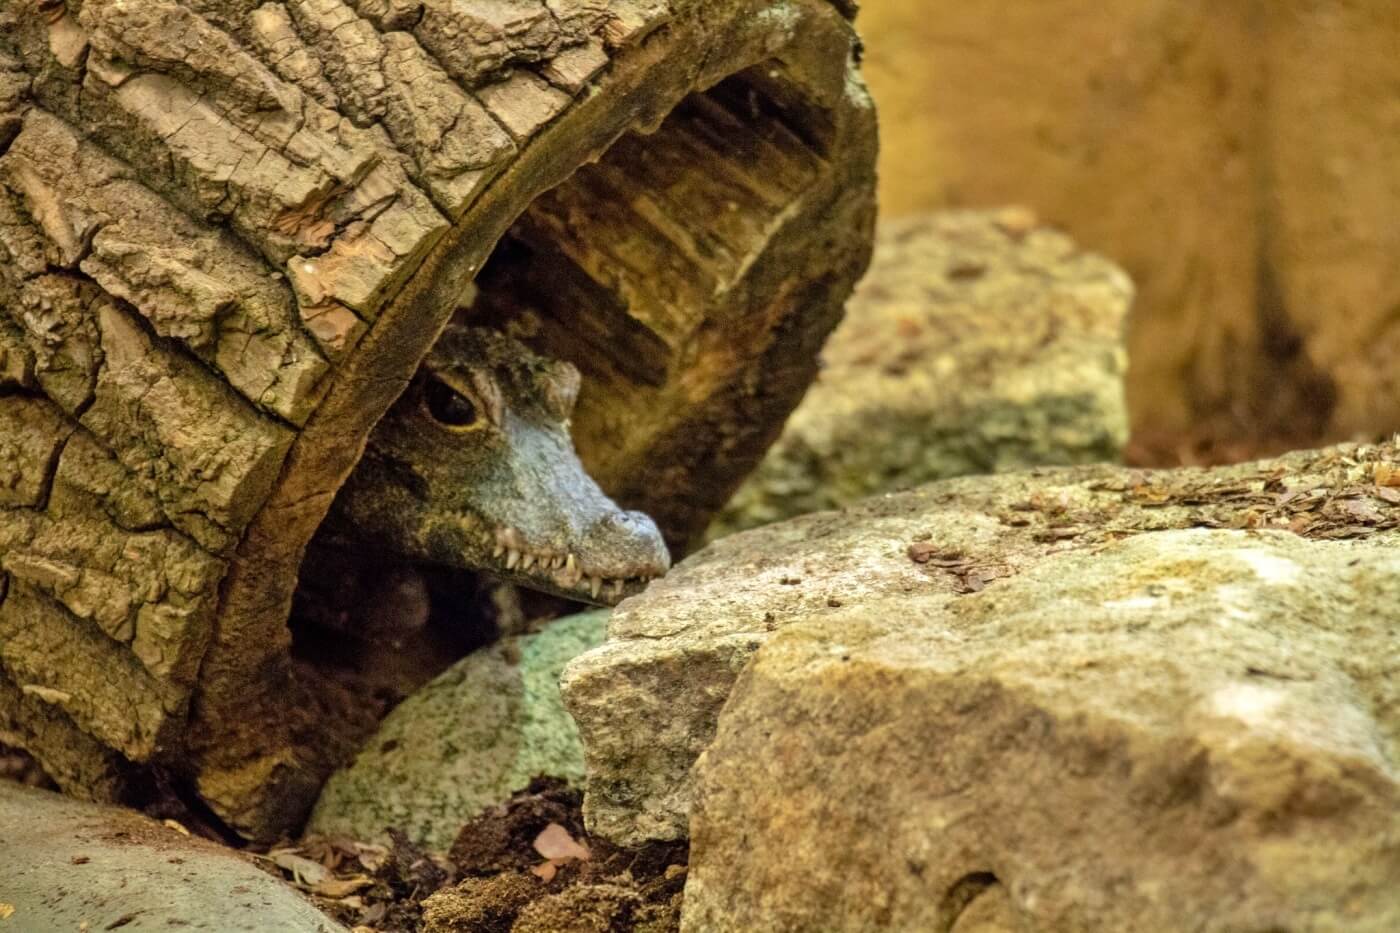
[(527, 866)]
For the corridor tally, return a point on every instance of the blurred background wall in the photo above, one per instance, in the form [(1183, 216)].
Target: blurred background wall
[(1240, 158)]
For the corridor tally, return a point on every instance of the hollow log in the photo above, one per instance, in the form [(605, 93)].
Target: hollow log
[(230, 231)]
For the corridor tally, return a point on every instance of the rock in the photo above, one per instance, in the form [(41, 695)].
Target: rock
[(978, 342), (647, 701), (69, 865), (1183, 730), (466, 741)]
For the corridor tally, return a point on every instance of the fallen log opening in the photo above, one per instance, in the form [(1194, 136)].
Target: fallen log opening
[(228, 235)]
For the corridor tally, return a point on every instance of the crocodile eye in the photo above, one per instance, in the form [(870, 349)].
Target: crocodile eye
[(447, 406)]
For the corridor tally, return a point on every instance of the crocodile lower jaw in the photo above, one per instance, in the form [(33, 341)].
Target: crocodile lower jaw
[(562, 572)]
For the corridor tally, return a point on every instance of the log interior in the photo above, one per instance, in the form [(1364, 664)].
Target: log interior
[(631, 267), (617, 267)]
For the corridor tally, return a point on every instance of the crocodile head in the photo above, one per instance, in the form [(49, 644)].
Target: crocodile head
[(473, 467)]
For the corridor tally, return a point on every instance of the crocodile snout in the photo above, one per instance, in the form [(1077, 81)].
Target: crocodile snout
[(622, 545)]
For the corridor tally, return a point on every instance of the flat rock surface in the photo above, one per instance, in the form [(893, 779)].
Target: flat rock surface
[(468, 740), (1188, 730), (66, 865), (647, 701), (978, 342)]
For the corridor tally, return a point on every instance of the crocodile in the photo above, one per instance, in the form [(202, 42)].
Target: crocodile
[(474, 468)]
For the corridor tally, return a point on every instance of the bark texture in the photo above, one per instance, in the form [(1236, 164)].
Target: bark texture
[(230, 231)]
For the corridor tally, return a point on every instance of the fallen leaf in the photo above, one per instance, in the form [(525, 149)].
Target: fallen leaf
[(6, 910), (1386, 474), (371, 856), (1362, 510), (555, 844), (972, 583), (323, 850), (303, 869), (172, 824), (342, 887), (921, 552)]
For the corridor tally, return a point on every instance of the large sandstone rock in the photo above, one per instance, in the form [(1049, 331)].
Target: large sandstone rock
[(977, 342), (1189, 730), (468, 740), (1239, 159), (648, 700), (70, 866)]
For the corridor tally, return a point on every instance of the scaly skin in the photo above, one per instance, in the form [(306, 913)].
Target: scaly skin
[(474, 468)]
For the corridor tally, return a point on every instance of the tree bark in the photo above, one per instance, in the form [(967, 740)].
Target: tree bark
[(228, 234)]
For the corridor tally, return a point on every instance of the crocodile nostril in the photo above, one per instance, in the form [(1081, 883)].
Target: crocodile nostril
[(623, 521)]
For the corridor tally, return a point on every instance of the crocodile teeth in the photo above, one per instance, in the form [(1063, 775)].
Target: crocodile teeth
[(558, 561), (570, 575), (616, 588), (528, 562), (499, 551), (512, 558), (595, 585)]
